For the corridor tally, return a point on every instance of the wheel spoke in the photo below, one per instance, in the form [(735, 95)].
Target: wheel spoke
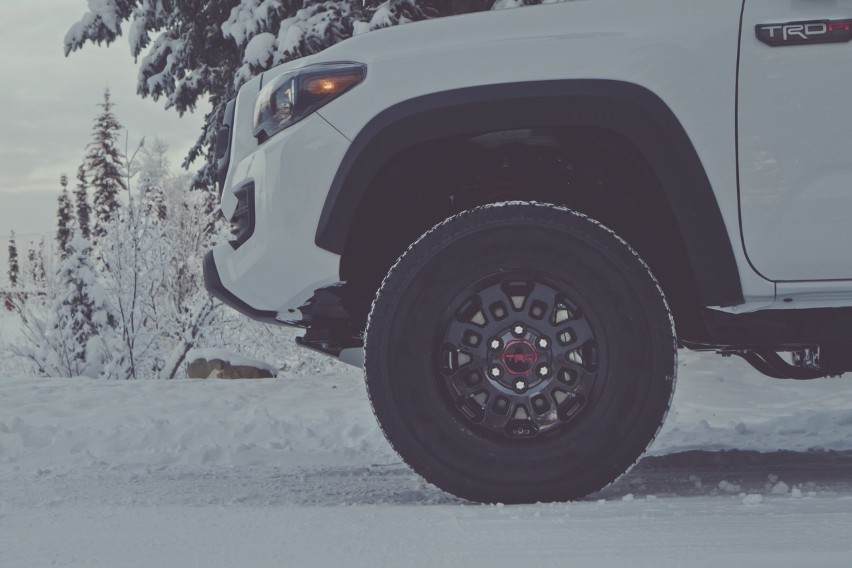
[(455, 334), (564, 310), (517, 292), (473, 405), (541, 298), (454, 358), (575, 376), (574, 334), (497, 413), (472, 312), (466, 382)]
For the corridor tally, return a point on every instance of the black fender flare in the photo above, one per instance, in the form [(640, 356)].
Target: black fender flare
[(627, 109)]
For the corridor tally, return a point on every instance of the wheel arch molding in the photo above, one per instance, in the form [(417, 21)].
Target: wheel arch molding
[(627, 109)]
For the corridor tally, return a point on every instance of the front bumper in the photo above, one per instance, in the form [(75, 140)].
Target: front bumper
[(276, 267)]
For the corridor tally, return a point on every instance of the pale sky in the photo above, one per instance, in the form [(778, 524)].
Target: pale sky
[(47, 104)]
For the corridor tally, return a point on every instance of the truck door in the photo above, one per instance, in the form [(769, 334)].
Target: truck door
[(794, 121)]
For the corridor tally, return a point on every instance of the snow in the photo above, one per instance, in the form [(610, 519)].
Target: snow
[(101, 12), (259, 49), (612, 535), (382, 18), (724, 404), (64, 424), (78, 32), (748, 471), (248, 18)]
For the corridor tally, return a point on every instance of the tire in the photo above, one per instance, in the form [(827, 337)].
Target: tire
[(574, 323)]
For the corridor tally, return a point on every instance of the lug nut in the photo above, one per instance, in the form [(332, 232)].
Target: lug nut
[(543, 343), (495, 344), (520, 386), (543, 371), (518, 330), (496, 372)]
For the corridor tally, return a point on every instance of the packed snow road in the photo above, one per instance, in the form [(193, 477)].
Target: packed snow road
[(747, 472)]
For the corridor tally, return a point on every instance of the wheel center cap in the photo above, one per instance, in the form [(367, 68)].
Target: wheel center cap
[(519, 357)]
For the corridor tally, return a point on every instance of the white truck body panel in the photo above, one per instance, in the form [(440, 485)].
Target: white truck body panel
[(795, 144), (684, 51)]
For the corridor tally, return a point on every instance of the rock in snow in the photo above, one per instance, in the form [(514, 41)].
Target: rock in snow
[(753, 499), (219, 364)]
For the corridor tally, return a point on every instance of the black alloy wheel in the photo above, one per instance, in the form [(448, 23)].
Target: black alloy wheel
[(518, 357), (520, 352)]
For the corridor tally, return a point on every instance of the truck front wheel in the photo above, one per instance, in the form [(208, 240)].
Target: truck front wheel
[(520, 352)]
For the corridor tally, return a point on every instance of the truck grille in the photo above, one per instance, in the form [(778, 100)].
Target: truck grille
[(242, 221), (223, 145)]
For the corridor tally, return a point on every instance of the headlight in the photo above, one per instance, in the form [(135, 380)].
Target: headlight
[(292, 96)]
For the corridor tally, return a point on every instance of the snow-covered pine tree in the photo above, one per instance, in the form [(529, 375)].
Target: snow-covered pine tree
[(14, 268), (105, 163), (75, 335), (64, 219), (38, 268), (188, 58), (36, 274), (31, 265), (82, 318), (31, 259), (81, 203), (154, 174)]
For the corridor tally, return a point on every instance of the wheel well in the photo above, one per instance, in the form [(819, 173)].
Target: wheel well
[(591, 170)]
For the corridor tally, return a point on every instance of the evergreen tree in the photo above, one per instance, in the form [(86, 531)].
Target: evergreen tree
[(14, 269), (81, 319), (32, 261), (153, 176), (187, 60), (81, 202), (35, 264), (105, 163), (73, 330), (64, 219)]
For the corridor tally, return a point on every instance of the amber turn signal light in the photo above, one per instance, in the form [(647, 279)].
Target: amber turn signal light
[(332, 84)]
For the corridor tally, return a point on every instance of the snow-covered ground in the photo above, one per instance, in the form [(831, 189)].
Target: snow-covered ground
[(748, 471)]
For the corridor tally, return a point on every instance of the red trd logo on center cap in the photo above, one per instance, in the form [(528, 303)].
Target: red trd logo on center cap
[(519, 357)]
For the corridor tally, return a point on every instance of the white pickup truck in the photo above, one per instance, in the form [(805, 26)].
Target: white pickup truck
[(513, 220)]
